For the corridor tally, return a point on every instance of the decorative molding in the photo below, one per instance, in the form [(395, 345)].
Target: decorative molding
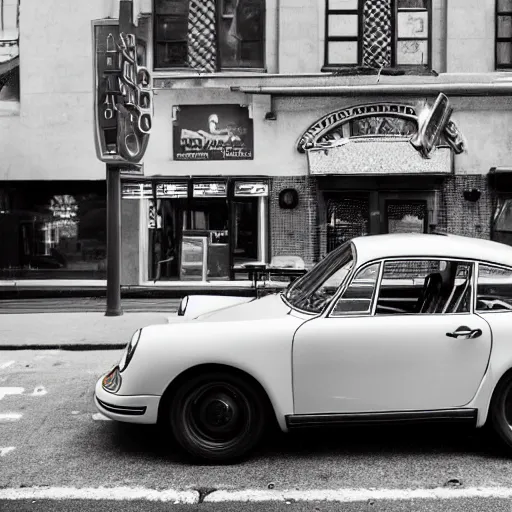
[(331, 121)]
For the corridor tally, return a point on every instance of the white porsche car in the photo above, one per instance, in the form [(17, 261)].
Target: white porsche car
[(387, 328)]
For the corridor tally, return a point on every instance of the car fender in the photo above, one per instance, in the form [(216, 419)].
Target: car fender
[(192, 306), (500, 361), (261, 348)]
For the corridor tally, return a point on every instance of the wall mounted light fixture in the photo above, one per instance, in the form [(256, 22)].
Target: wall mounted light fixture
[(288, 199), (472, 195)]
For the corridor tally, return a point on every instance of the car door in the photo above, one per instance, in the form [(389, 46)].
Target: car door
[(374, 351)]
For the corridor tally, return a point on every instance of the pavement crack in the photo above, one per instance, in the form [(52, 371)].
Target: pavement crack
[(203, 492)]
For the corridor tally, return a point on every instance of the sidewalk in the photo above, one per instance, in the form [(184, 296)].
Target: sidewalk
[(74, 331)]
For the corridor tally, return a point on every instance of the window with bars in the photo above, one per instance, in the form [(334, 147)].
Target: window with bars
[(378, 33), (503, 34), (209, 35)]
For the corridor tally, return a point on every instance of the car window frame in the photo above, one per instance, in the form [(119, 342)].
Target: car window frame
[(475, 297), (383, 261)]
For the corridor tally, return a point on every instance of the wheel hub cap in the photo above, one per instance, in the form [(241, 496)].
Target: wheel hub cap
[(218, 413)]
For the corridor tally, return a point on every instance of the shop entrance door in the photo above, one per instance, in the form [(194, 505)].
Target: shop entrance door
[(363, 213)]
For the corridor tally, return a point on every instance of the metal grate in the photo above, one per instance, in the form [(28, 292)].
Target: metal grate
[(377, 33), (346, 218)]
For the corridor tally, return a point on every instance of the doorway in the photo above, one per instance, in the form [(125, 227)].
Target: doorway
[(352, 214)]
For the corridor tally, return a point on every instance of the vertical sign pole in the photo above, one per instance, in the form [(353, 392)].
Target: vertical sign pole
[(113, 241), (114, 204)]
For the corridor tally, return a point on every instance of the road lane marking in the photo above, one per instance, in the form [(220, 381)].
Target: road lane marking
[(101, 493), (39, 391), (10, 391), (192, 497), (5, 451), (357, 495), (4, 366), (9, 416), (100, 417)]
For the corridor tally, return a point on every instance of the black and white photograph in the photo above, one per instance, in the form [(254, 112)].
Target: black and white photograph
[(255, 255)]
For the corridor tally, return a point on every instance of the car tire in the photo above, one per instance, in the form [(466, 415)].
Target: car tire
[(217, 416), (501, 411)]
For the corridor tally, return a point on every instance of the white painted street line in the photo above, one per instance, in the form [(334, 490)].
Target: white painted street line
[(102, 493), (10, 391), (100, 417), (353, 495), (4, 366), (192, 497), (10, 416), (5, 451), (39, 391)]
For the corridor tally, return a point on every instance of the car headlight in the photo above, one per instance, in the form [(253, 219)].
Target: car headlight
[(130, 349), (112, 381), (183, 306)]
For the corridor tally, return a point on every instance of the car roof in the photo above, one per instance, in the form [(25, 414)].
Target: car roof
[(403, 245)]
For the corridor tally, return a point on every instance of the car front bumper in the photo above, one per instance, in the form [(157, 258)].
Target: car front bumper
[(128, 409)]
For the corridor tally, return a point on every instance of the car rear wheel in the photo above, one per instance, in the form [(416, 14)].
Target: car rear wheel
[(217, 416), (501, 411)]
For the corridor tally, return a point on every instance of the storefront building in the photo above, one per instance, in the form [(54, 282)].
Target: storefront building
[(240, 168)]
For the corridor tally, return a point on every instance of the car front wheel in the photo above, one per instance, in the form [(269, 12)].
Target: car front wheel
[(501, 411), (217, 416)]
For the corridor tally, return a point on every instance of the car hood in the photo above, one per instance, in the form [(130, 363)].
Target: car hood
[(270, 306)]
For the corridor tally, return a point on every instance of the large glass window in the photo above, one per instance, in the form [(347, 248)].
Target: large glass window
[(53, 230), (377, 34), (209, 34), (203, 229)]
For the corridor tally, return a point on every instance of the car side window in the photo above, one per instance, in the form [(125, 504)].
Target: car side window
[(494, 289), (424, 287), (357, 298)]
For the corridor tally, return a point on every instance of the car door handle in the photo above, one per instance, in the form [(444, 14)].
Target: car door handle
[(465, 331)]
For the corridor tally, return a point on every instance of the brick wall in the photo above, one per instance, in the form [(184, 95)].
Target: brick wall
[(294, 232), (462, 217)]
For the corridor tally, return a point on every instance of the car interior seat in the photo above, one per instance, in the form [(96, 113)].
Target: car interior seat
[(428, 299)]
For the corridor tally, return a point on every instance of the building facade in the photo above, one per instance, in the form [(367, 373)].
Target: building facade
[(281, 128)]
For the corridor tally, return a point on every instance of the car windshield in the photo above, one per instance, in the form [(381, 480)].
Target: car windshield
[(314, 290)]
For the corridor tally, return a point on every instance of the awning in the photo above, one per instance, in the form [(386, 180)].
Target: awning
[(377, 156)]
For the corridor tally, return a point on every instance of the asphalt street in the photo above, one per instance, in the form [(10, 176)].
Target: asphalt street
[(54, 444)]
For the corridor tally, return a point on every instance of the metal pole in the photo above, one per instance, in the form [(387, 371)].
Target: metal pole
[(113, 241)]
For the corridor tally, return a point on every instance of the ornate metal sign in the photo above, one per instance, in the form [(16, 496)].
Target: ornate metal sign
[(123, 104)]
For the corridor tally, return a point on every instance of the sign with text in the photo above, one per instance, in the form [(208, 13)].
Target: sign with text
[(212, 132)]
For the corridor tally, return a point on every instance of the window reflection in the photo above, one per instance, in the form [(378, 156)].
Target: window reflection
[(59, 233)]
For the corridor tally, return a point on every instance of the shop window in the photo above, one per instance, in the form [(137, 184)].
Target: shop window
[(55, 231), (206, 235), (377, 34), (209, 35), (503, 34)]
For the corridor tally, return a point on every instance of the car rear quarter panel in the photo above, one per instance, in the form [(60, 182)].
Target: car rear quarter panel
[(500, 361), (261, 348)]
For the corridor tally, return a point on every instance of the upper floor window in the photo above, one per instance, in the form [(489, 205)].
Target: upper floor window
[(378, 33), (209, 35), (503, 33)]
